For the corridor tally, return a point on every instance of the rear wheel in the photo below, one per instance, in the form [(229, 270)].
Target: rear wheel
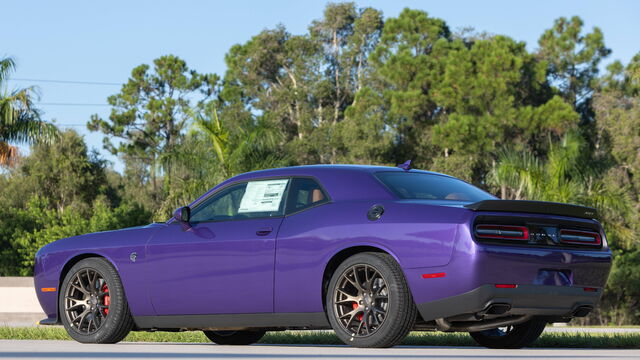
[(245, 337), (92, 303), (369, 303), (511, 337)]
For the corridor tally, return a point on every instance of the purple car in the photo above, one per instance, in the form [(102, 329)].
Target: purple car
[(371, 252)]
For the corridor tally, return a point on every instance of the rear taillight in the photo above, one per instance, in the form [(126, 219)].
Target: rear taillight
[(580, 237), (507, 232)]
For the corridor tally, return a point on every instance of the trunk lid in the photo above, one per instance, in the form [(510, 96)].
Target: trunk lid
[(536, 224)]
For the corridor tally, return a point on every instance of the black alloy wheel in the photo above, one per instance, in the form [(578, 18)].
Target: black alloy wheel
[(368, 301), (92, 304), (87, 301), (361, 300)]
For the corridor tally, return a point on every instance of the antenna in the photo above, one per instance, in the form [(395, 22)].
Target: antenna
[(406, 165)]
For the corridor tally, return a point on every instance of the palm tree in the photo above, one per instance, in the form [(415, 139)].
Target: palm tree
[(217, 134), (19, 120), (246, 149), (235, 150)]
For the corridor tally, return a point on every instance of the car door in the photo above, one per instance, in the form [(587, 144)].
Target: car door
[(223, 263)]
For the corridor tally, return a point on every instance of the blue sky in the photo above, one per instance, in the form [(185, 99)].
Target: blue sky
[(102, 42)]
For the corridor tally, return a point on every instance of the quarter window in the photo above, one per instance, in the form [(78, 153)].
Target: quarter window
[(305, 193)]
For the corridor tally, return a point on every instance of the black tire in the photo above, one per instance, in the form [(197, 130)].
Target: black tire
[(116, 322), (244, 337), (400, 310), (515, 337)]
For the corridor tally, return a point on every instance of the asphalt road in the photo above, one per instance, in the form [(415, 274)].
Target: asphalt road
[(38, 349)]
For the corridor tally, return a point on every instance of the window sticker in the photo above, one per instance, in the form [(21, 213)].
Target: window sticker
[(262, 196)]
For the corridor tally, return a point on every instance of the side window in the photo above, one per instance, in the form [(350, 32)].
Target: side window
[(253, 199), (305, 193), (222, 206)]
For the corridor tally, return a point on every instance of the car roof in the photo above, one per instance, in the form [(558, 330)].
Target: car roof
[(333, 168), (341, 181)]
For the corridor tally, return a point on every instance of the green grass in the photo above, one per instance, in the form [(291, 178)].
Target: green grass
[(551, 340)]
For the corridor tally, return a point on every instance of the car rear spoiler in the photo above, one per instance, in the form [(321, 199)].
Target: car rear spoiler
[(538, 207)]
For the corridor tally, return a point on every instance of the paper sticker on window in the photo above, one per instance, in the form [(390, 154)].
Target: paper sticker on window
[(262, 196)]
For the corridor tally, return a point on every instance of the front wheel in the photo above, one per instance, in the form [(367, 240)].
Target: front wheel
[(245, 337), (511, 337), (369, 303), (92, 303)]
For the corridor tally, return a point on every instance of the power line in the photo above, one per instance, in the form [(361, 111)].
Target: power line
[(70, 104), (69, 82)]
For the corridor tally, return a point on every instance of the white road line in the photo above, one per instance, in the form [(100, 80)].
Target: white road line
[(51, 350)]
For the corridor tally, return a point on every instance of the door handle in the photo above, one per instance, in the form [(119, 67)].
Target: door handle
[(264, 231)]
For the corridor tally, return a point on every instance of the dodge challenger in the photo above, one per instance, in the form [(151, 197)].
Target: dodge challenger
[(371, 252)]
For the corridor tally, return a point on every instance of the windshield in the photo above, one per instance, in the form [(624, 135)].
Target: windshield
[(411, 185)]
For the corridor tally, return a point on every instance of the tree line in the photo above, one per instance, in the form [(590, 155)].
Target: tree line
[(355, 88)]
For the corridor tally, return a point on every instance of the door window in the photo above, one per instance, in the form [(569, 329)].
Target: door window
[(248, 200)]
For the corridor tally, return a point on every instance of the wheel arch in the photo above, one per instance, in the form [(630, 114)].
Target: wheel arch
[(65, 270), (341, 256)]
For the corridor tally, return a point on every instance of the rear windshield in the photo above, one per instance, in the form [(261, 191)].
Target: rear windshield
[(410, 185)]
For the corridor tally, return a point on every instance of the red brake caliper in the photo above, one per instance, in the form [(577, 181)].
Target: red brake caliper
[(106, 300), (355, 306)]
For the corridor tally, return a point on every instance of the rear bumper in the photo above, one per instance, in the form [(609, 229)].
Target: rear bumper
[(538, 300)]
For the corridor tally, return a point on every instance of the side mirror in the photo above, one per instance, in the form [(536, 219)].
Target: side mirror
[(182, 214)]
